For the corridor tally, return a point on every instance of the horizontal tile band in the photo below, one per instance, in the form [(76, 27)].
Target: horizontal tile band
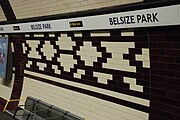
[(121, 96)]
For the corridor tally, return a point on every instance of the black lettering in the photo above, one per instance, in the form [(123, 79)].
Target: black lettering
[(110, 21), (128, 20), (118, 21), (115, 20), (46, 26), (149, 18), (138, 18), (132, 19), (121, 19), (143, 18), (39, 26), (124, 19), (155, 19), (36, 27)]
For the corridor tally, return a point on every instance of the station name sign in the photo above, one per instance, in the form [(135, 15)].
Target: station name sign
[(162, 16), (40, 26), (134, 19)]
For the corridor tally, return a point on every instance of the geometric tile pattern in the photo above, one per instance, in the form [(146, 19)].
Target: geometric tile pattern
[(65, 42), (133, 85), (103, 78), (144, 57), (24, 48), (107, 66), (48, 50), (117, 49), (88, 53), (67, 61), (33, 53), (41, 66), (56, 70), (79, 73), (29, 64)]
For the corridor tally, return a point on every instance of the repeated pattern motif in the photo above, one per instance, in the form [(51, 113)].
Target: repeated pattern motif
[(114, 63)]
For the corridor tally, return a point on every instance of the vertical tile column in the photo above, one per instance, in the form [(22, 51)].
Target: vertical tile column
[(19, 64), (165, 73)]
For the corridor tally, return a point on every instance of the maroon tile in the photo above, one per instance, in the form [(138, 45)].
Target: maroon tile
[(167, 73), (166, 59)]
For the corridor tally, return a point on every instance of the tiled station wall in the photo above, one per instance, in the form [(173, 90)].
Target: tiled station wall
[(36, 8), (99, 75), (102, 75)]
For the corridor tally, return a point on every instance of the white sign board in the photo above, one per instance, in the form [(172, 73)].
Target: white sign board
[(162, 16)]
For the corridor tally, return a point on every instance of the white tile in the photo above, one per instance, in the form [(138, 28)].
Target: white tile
[(139, 57), (79, 73), (48, 50), (33, 53), (27, 35), (146, 64), (24, 48), (55, 67), (41, 65), (88, 53), (117, 58), (145, 51), (132, 82), (51, 35), (38, 35), (67, 61), (12, 47), (127, 33), (102, 77), (145, 58), (100, 33), (65, 43), (63, 35), (29, 64), (78, 34)]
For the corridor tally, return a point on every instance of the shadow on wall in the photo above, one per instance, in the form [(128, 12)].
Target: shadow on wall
[(6, 82)]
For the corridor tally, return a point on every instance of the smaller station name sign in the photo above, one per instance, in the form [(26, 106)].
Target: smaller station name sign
[(162, 16), (40, 26)]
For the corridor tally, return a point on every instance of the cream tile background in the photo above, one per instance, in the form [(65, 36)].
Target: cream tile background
[(83, 105), (5, 91), (34, 8), (2, 16)]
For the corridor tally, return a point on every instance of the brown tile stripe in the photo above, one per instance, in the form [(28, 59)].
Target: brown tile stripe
[(2, 103), (18, 82), (19, 68)]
